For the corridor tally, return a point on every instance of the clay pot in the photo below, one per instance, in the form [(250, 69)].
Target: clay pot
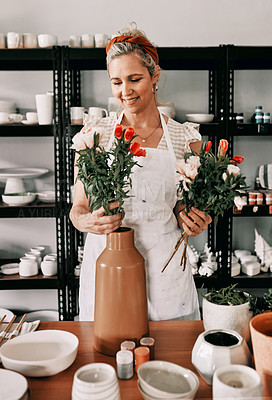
[(236, 318), (261, 336), (120, 294)]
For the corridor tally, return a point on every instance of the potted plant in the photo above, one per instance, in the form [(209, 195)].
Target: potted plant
[(229, 308)]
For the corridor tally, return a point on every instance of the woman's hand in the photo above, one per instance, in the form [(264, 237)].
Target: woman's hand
[(95, 222), (194, 222)]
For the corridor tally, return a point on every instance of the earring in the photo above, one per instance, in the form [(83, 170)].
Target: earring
[(155, 88)]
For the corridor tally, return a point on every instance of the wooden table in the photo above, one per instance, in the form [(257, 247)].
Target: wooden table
[(174, 341)]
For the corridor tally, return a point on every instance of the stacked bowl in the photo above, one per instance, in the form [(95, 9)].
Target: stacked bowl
[(165, 380), (96, 381)]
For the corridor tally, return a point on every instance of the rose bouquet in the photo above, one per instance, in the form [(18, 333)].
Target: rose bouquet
[(210, 183), (106, 174)]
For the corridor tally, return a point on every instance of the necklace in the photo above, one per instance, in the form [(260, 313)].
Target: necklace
[(147, 137)]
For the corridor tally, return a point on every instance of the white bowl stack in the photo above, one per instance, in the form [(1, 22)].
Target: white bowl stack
[(96, 381), (165, 380)]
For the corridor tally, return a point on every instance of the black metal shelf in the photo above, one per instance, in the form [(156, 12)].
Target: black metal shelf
[(262, 280), (263, 210), (26, 59), (35, 210), (250, 57), (20, 130), (252, 129)]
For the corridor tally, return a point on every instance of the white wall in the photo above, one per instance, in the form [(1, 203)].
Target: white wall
[(166, 23)]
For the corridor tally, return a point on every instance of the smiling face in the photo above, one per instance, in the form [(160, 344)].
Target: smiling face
[(131, 83)]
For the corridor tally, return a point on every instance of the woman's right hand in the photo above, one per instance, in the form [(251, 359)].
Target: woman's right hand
[(96, 222)]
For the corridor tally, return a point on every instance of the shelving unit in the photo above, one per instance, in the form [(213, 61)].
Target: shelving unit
[(66, 64), (39, 60), (244, 58)]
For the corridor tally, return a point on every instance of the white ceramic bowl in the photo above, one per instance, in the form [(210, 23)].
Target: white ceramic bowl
[(165, 380), (42, 353), (9, 314), (200, 118), (18, 199), (95, 378), (48, 196), (12, 385)]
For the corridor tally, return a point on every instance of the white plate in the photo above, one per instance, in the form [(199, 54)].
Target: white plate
[(9, 315), (6, 123), (22, 172), (10, 269), (26, 122), (12, 385)]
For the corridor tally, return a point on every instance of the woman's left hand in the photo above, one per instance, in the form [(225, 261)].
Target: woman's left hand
[(194, 222)]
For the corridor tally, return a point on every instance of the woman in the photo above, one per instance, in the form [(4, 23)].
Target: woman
[(133, 69)]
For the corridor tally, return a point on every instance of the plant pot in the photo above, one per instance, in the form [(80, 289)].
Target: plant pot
[(261, 336), (120, 294), (217, 348), (236, 382), (236, 318)]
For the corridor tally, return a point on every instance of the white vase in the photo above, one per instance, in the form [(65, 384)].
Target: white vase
[(217, 348), (236, 318), (236, 382)]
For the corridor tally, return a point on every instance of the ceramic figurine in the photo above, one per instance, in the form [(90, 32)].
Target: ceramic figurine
[(263, 250)]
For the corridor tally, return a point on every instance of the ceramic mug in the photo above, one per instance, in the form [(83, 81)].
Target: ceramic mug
[(15, 118), (76, 115), (87, 40), (2, 41), (44, 104), (47, 40), (4, 117), (75, 41), (97, 112), (30, 41), (101, 39), (14, 40), (236, 382), (32, 117)]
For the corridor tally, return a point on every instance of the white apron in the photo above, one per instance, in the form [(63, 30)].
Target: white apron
[(171, 294)]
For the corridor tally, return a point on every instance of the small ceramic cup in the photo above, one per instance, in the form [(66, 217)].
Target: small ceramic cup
[(4, 117), (75, 41), (87, 40), (30, 41), (32, 117), (101, 39)]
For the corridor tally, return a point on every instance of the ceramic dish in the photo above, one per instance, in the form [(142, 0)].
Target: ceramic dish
[(200, 118), (12, 385), (26, 122), (41, 353), (10, 269), (166, 380), (47, 196), (43, 315), (18, 199), (9, 315)]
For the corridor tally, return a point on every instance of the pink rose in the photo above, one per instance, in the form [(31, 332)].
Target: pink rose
[(239, 202), (84, 139)]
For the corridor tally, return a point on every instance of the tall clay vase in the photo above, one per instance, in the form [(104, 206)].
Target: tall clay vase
[(261, 336), (120, 294)]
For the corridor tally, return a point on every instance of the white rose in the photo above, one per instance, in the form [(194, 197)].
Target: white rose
[(78, 142), (180, 165), (239, 202), (193, 160), (233, 170)]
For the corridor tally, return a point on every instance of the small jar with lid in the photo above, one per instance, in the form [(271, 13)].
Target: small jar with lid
[(266, 118), (150, 343), (124, 361), (142, 354), (258, 117)]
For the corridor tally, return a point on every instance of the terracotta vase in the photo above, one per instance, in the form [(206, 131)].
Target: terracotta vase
[(120, 294), (261, 336)]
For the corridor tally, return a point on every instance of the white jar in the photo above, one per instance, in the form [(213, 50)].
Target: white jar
[(28, 266), (49, 267), (35, 254)]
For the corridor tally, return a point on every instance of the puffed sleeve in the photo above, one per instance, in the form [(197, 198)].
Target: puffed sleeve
[(191, 134)]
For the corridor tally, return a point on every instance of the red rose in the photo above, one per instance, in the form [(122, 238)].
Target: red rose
[(136, 150), (237, 159), (208, 146), (128, 135), (118, 131)]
